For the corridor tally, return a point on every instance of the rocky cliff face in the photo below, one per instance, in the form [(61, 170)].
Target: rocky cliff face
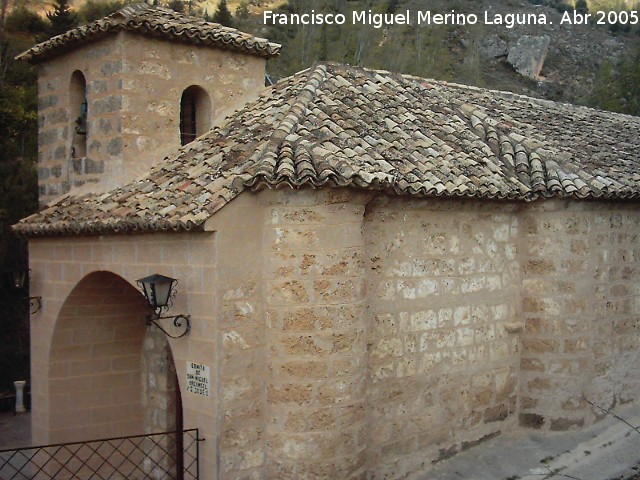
[(508, 48), (558, 60)]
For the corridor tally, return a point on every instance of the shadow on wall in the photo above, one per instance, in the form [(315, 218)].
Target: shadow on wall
[(95, 367)]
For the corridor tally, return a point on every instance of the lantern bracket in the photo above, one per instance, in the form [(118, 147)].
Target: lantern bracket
[(18, 279), (180, 322), (35, 304)]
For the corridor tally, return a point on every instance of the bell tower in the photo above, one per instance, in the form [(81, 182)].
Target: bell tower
[(117, 95)]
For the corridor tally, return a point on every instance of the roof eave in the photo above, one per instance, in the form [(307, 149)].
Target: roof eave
[(87, 229), (41, 53), (132, 19), (142, 225)]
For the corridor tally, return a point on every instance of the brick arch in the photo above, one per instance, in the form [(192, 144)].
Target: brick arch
[(95, 374)]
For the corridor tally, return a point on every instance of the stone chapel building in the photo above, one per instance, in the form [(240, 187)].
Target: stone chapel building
[(380, 270)]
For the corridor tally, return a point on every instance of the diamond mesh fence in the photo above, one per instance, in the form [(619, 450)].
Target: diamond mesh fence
[(157, 456)]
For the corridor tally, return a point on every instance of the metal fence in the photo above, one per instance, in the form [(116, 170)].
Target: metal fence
[(157, 456)]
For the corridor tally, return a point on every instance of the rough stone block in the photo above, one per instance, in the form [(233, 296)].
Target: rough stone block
[(110, 104), (47, 101), (111, 67), (531, 420), (539, 267), (496, 414), (532, 364), (296, 393), (241, 436), (561, 424), (114, 147)]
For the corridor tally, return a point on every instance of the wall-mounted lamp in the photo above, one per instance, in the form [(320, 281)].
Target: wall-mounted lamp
[(18, 278), (158, 291)]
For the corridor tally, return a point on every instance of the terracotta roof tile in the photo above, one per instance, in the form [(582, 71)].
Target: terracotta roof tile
[(156, 22), (338, 126)]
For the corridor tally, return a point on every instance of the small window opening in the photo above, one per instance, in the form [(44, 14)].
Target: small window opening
[(187, 119), (79, 110), (195, 114)]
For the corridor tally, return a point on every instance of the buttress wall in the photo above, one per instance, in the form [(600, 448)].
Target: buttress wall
[(442, 292)]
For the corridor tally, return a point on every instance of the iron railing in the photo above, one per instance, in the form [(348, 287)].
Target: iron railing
[(156, 456)]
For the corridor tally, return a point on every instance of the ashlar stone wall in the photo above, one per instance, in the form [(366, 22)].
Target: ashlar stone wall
[(355, 335), (315, 295), (443, 368), (58, 170), (360, 338), (154, 75), (159, 383), (581, 305), (94, 366), (241, 351), (134, 85), (291, 335)]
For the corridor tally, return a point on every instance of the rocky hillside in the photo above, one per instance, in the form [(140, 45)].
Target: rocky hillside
[(558, 61), (569, 56)]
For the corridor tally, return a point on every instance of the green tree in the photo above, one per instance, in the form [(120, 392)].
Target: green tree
[(617, 86), (582, 6), (177, 6), (242, 11), (62, 19), (629, 84), (22, 21), (222, 15), (392, 6), (18, 181), (95, 9)]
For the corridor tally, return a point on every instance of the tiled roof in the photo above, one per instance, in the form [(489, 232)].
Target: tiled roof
[(156, 22), (352, 127)]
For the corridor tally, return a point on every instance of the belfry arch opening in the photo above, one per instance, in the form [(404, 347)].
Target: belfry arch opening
[(79, 111), (195, 114)]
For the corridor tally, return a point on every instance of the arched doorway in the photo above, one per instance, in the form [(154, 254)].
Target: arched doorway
[(110, 374)]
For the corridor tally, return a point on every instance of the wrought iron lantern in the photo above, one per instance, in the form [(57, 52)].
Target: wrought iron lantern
[(18, 278), (159, 290)]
